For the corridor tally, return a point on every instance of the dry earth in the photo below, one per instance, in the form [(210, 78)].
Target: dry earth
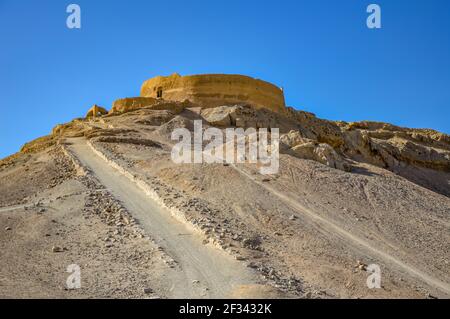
[(104, 194)]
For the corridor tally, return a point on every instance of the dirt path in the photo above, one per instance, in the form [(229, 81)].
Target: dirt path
[(10, 208), (201, 271), (325, 225)]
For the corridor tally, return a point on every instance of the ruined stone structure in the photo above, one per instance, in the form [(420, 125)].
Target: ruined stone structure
[(212, 90), (133, 103), (96, 111)]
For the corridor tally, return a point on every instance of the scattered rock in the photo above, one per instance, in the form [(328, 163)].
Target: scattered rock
[(57, 249), (252, 265), (148, 290), (252, 243), (361, 266), (313, 150), (219, 116)]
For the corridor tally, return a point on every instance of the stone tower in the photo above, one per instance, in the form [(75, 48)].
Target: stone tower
[(211, 90)]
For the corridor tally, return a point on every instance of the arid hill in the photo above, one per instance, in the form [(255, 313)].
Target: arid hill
[(103, 193)]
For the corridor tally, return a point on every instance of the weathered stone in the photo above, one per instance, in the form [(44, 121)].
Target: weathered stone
[(130, 104), (96, 111), (136, 103), (147, 291), (219, 116), (312, 150), (57, 249), (212, 90)]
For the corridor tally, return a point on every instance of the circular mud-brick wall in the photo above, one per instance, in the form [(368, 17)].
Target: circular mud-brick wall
[(212, 90)]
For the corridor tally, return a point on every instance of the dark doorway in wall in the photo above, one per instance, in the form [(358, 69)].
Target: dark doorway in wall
[(159, 93)]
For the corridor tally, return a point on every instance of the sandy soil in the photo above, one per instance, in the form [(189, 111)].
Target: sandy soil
[(114, 263), (140, 226), (199, 270), (371, 216)]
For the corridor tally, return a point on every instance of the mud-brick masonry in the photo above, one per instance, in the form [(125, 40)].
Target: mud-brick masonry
[(212, 90)]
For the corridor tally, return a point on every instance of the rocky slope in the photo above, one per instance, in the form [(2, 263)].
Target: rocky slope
[(347, 195)]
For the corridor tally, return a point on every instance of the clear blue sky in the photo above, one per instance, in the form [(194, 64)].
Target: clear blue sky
[(320, 51)]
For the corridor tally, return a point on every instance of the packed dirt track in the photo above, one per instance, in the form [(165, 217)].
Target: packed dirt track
[(199, 270)]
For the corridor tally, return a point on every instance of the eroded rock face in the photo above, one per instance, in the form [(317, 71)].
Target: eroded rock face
[(322, 153), (323, 131), (219, 116), (75, 128), (177, 122), (245, 116), (173, 106), (379, 144), (335, 143), (390, 146), (156, 118), (306, 148), (131, 104), (136, 103)]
